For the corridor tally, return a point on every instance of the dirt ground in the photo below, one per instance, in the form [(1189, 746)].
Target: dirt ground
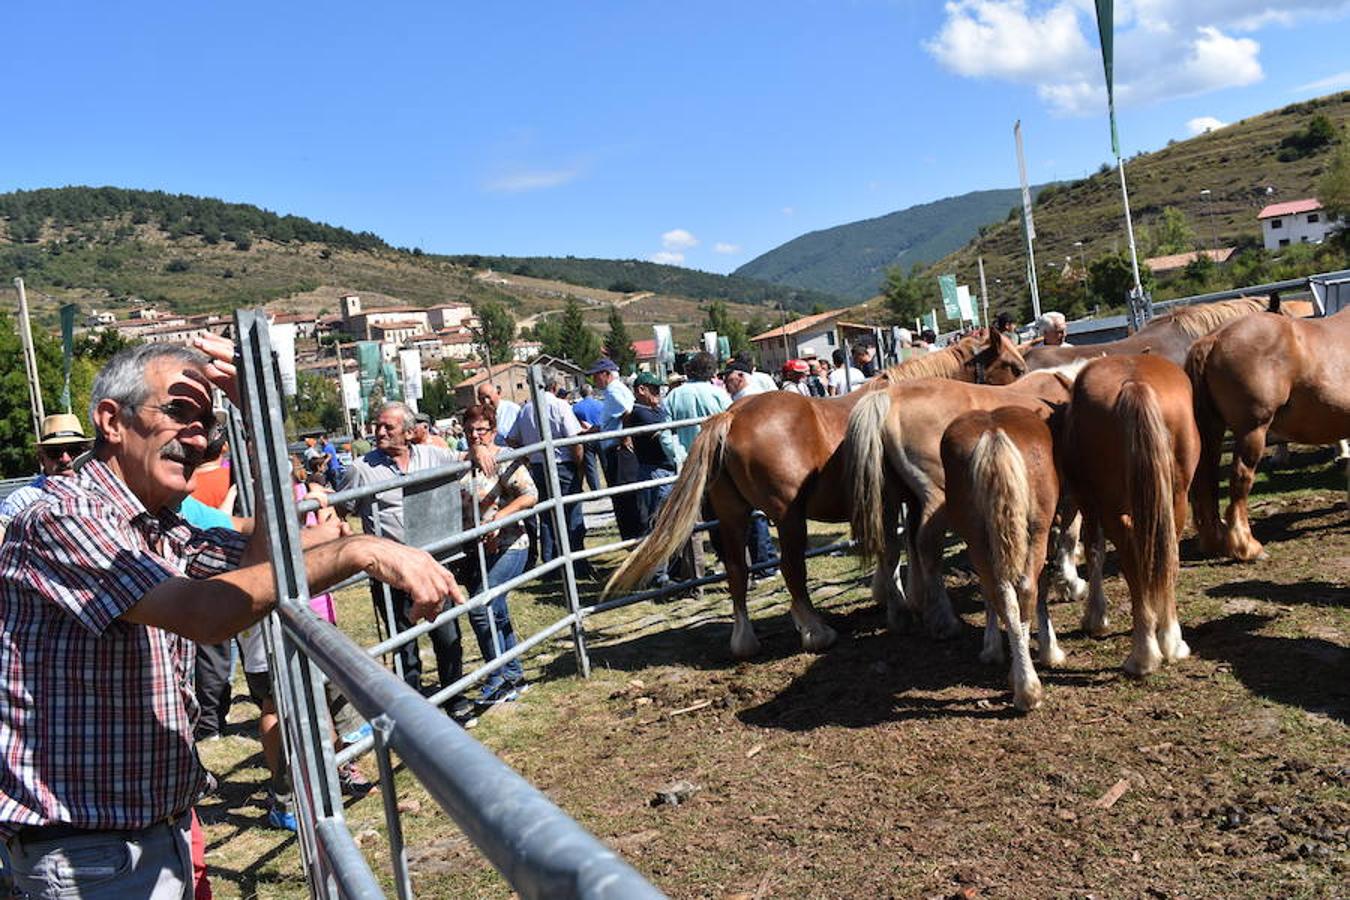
[(894, 766)]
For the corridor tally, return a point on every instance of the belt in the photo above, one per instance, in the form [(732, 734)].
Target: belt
[(59, 831)]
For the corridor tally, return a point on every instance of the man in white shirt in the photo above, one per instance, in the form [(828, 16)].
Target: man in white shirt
[(562, 422), (840, 383), (739, 381), (490, 395)]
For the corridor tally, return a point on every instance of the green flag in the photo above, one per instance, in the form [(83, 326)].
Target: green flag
[(1106, 30), (368, 361), (930, 320), (67, 349), (393, 390), (950, 303)]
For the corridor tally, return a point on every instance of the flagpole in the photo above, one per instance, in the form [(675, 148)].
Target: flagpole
[(984, 290), (1028, 223), (1129, 228), (30, 361)]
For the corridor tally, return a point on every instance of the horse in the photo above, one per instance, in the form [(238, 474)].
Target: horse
[(779, 452), (892, 455), (1129, 452), (1261, 377), (1169, 335), (1002, 492)]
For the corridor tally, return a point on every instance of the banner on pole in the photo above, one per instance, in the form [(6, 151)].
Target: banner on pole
[(665, 348), (963, 301), (393, 390), (723, 348), (950, 304), (368, 365), (1026, 191), (930, 321), (1106, 31), (710, 342), (411, 360), (351, 390), (67, 349), (283, 344)]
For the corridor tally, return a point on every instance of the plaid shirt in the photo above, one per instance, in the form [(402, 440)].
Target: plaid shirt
[(96, 713)]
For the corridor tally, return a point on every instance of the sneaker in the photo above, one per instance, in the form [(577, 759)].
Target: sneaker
[(505, 692), (463, 712), (361, 733), (279, 815), (353, 782)]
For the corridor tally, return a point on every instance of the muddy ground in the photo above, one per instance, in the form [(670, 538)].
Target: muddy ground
[(894, 766)]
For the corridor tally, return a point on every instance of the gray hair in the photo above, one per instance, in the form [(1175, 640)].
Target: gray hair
[(1051, 320), (409, 418), (122, 378), (586, 389)]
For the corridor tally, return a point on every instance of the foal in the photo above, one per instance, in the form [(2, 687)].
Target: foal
[(1002, 491)]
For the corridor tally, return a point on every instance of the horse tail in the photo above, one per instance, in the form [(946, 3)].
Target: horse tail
[(1152, 532), (864, 449), (1001, 494), (680, 513), (1197, 361)]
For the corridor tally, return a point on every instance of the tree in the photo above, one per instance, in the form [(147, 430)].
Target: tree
[(569, 337), (438, 394), (1172, 234), (1334, 187), (316, 403), (618, 344), (718, 318), (1111, 279), (496, 329), (907, 296), (99, 346), (17, 456)]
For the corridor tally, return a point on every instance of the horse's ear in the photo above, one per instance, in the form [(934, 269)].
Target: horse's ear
[(996, 340)]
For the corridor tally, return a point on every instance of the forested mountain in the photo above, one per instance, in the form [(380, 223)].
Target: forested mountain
[(852, 259)]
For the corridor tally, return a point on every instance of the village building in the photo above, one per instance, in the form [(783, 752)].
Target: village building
[(808, 336), (1295, 222)]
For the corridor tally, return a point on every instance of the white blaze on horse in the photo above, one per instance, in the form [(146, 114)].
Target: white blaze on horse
[(1002, 492)]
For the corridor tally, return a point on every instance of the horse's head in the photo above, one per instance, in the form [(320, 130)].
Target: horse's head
[(996, 363)]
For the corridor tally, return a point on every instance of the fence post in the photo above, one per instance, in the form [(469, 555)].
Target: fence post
[(560, 536)]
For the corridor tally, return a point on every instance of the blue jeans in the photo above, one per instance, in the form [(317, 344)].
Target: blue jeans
[(592, 470), (653, 497), (501, 569), (569, 482), (155, 862)]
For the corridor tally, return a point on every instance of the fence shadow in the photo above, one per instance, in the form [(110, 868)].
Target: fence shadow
[(1305, 593), (1309, 673)]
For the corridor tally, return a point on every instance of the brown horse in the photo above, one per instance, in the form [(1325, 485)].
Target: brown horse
[(1261, 377), (1002, 491), (779, 452), (892, 454), (1169, 335), (1129, 450)]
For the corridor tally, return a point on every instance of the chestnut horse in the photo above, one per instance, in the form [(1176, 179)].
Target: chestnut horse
[(778, 452), (1002, 492), (1169, 335), (892, 456), (1261, 377), (1129, 451)]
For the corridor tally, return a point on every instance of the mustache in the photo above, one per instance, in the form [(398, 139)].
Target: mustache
[(176, 450)]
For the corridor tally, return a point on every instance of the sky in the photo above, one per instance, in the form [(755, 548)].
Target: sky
[(699, 133)]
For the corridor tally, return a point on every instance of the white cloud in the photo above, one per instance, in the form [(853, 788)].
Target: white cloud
[(1202, 124), (724, 247), (678, 239), (1164, 49), (1338, 82), (668, 258), (530, 180), (789, 211)]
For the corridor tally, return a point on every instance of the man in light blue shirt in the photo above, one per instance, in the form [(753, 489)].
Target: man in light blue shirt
[(621, 465), (695, 398), (505, 410)]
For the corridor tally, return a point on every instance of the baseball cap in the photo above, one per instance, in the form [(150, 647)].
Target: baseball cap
[(737, 366), (603, 364), (649, 380)]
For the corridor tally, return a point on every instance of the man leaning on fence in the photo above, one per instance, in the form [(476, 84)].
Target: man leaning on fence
[(103, 590)]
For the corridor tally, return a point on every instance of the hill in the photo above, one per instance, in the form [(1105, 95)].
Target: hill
[(116, 249), (1244, 166), (630, 275), (852, 259)]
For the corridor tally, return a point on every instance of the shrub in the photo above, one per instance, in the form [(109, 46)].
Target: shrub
[(178, 264)]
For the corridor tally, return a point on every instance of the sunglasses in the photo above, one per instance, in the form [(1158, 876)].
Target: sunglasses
[(57, 452), (185, 413)]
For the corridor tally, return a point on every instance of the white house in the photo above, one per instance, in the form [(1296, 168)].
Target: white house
[(808, 336), (1295, 222)]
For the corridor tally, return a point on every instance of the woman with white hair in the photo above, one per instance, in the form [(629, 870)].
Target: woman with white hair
[(1054, 329)]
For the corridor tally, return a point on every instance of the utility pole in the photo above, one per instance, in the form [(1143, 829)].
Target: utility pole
[(984, 290), (342, 390), (1209, 214), (1082, 260), (782, 310), (30, 361)]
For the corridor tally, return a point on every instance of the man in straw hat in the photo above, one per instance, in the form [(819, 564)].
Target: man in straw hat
[(62, 440)]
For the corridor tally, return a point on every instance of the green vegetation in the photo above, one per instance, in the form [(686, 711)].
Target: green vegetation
[(853, 259), (721, 321), (1307, 141), (618, 343), (1334, 187), (637, 275), (568, 336), (496, 329)]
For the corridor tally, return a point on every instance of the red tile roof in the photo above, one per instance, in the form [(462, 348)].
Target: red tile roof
[(1177, 260), (801, 324), (645, 349), (1290, 208)]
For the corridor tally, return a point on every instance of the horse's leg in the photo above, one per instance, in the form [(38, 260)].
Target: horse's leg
[(1145, 655), (906, 606), (1205, 487), (1169, 626), (733, 521), (1025, 685), (1050, 652), (816, 635), (887, 591), (937, 609), (1247, 450), (1095, 621), (1066, 550), (991, 652)]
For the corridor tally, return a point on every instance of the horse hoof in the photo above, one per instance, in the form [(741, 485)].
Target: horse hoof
[(745, 648), (945, 630), (819, 639), (1094, 627), (992, 656), (1029, 700), (1078, 590), (1053, 658), (899, 621), (1182, 650), (1137, 669)]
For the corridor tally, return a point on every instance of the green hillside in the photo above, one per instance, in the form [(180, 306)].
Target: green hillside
[(852, 259), (629, 275), (116, 249), (1245, 166)]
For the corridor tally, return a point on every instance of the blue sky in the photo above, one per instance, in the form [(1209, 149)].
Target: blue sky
[(699, 133)]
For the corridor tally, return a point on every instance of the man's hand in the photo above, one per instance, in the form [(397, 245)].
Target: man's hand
[(220, 371), (415, 571), (484, 459)]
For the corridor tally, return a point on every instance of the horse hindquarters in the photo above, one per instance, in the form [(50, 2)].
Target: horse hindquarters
[(1205, 488), (1147, 539)]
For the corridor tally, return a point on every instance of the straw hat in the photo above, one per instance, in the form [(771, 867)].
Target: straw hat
[(62, 428)]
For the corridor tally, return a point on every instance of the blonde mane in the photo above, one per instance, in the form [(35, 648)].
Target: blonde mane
[(944, 363), (1199, 320)]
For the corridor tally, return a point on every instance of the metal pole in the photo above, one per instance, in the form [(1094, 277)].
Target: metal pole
[(1209, 214), (1129, 229), (342, 392), (783, 315), (30, 361), (561, 538), (984, 290)]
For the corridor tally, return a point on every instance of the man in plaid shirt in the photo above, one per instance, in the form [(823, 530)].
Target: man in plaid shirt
[(103, 590)]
